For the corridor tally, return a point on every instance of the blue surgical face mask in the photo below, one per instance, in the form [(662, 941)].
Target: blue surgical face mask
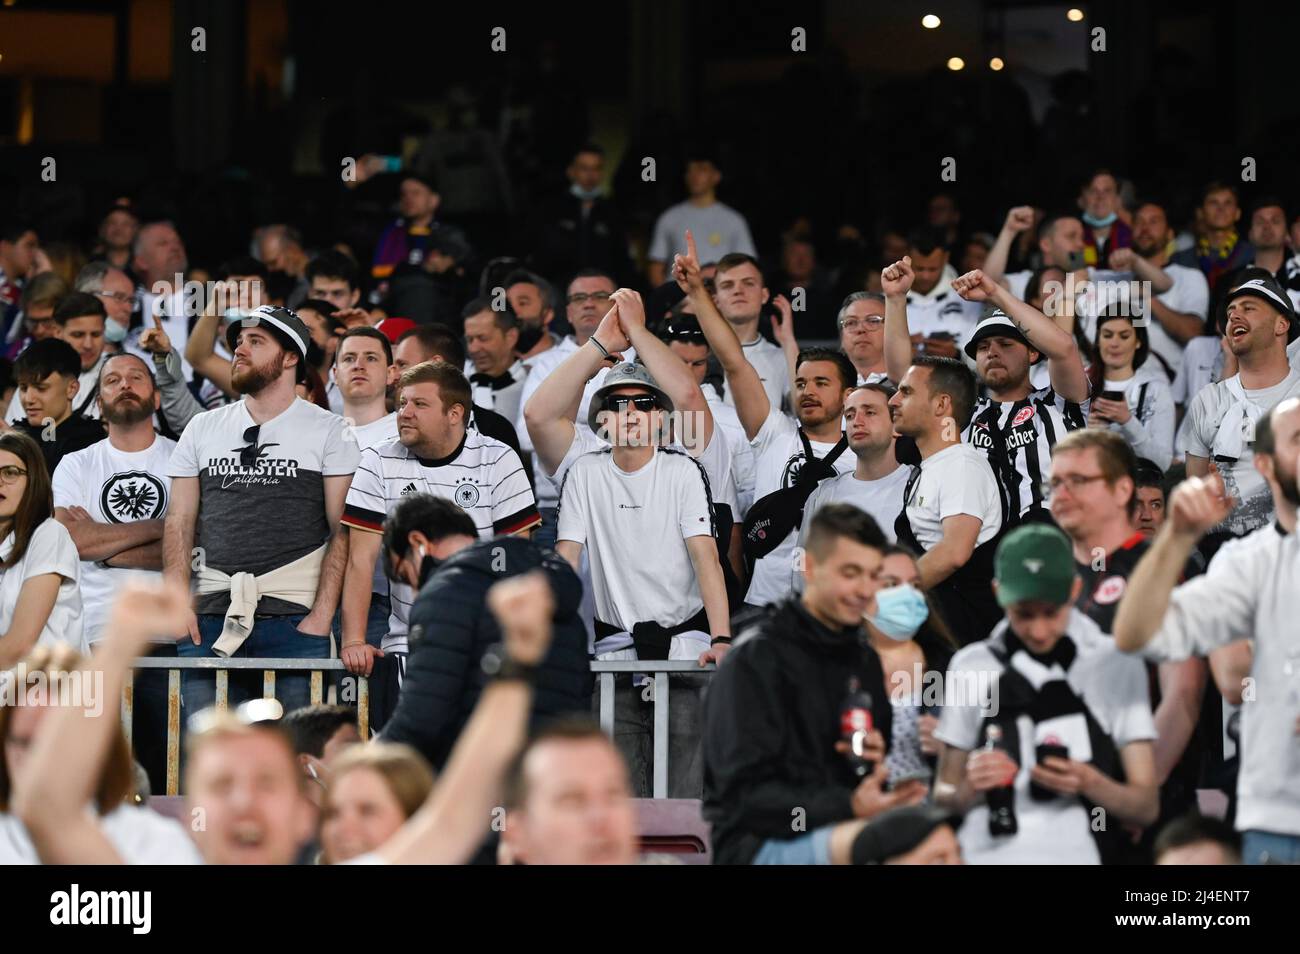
[(113, 332), (900, 611), (1101, 223), (586, 195)]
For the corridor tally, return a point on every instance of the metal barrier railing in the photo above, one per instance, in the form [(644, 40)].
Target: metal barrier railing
[(659, 669), (222, 667)]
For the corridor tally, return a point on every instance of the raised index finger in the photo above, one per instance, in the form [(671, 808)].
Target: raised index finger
[(690, 245)]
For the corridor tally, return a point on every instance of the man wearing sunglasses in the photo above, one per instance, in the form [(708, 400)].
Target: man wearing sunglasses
[(258, 489)]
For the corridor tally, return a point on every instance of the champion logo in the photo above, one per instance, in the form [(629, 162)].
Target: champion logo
[(1024, 414), (410, 489)]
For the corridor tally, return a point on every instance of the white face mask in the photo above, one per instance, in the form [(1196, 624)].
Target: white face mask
[(113, 332)]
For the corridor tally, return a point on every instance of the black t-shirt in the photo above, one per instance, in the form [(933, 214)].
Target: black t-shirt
[(1105, 580), (74, 434)]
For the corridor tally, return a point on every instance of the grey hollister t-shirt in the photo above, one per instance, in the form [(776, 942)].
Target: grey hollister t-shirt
[(261, 489)]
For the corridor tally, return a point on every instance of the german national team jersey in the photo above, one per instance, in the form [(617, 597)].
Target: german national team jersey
[(484, 477), (1018, 437)]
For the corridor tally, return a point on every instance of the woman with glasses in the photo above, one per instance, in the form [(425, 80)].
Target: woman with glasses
[(40, 602), (1130, 394)]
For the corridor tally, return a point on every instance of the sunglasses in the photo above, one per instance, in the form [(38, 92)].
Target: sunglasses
[(642, 402), (683, 333), (248, 455)]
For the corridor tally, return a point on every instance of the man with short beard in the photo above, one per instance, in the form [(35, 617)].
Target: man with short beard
[(259, 487), (532, 299), (112, 496)]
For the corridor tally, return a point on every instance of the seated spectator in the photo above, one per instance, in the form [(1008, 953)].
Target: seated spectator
[(432, 546), (1197, 840), (116, 292), (1099, 204), (320, 734), (326, 330), (939, 318), (373, 791), (48, 376), (1150, 498), (1219, 248), (81, 321), (405, 243), (1070, 731), (138, 835), (495, 375), (772, 753), (802, 280), (1131, 394), (533, 300), (334, 277)]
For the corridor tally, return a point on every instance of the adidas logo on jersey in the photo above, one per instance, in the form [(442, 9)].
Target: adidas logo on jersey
[(410, 489)]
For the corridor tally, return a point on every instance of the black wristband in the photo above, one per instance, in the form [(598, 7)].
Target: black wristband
[(498, 665), (725, 640)]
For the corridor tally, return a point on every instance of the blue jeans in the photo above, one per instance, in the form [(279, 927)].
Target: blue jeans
[(1269, 848), (813, 848), (272, 636)]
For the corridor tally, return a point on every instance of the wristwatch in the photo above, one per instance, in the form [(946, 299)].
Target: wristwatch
[(497, 664)]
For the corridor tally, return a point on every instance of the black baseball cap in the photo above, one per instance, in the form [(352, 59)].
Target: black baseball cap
[(997, 325), (1263, 285)]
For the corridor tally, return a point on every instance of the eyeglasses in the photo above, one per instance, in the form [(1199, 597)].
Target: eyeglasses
[(122, 297), (682, 332), (1075, 482), (11, 474), (871, 323), (577, 298), (642, 402)]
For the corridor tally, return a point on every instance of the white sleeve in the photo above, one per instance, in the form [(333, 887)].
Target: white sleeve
[(341, 452), (1193, 440), (776, 425), (1193, 293), (184, 461), (574, 507), (51, 550), (1127, 702), (1207, 612), (962, 712), (809, 510), (973, 492), (692, 502), (1152, 437), (66, 482)]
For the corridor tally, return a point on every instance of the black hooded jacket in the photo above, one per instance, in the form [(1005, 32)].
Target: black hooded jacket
[(771, 721), (451, 628)]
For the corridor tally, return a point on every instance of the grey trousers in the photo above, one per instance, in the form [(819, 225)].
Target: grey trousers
[(634, 733)]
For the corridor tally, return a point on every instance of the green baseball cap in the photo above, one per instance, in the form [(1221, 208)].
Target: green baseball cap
[(1034, 563)]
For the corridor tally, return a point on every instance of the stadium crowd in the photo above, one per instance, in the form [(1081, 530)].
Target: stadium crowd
[(990, 560)]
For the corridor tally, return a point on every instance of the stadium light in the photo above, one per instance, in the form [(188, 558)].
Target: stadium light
[(996, 64), (1074, 14), (956, 63), (930, 21)]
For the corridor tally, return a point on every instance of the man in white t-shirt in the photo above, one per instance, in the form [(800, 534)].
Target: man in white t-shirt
[(1073, 720), (875, 486), (112, 497), (939, 318), (781, 447), (258, 487), (436, 453), (635, 506), (952, 510), (739, 296), (1221, 418), (364, 370), (1182, 296)]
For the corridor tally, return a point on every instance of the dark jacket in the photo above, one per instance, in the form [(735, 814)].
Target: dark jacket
[(771, 721), (451, 628), (74, 434)]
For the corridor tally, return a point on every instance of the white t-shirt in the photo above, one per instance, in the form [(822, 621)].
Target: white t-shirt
[(1114, 687), (942, 310), (484, 477), (1211, 409), (778, 457), (1190, 294), (548, 491), (882, 499), (633, 521), (140, 835), (769, 361), (956, 480), (50, 550), (1105, 288), (113, 486), (742, 455), (375, 433)]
